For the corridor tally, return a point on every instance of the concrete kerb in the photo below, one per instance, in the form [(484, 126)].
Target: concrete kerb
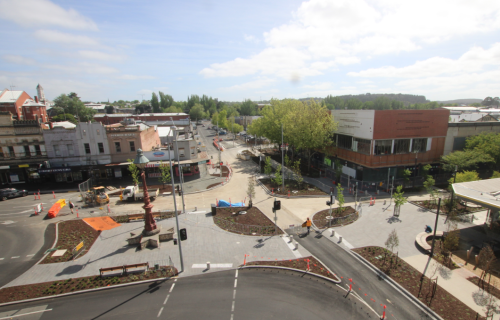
[(85, 291), (53, 245), (395, 285)]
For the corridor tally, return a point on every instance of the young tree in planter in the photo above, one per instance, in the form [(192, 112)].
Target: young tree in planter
[(451, 241), (164, 173), (392, 242), (250, 190), (134, 171), (268, 168), (278, 178), (485, 258), (399, 200), (340, 198)]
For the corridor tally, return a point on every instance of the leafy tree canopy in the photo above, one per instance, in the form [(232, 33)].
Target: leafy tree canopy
[(465, 176), (72, 104), (467, 159), (65, 117)]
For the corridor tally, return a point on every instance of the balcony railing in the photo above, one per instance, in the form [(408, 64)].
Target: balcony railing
[(22, 155)]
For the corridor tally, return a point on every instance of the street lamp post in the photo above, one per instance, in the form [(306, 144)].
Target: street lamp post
[(174, 129), (150, 227), (415, 172), (452, 191), (175, 209)]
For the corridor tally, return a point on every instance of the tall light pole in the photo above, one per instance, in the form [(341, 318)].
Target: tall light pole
[(174, 129), (218, 143), (392, 188), (415, 172), (282, 157), (150, 227), (453, 191), (175, 209)]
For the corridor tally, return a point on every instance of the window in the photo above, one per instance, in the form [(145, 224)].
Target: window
[(11, 151), (26, 151), (344, 142), (383, 147), (192, 150), (132, 145), (118, 148), (1, 153), (87, 148), (401, 146), (419, 145), (100, 145), (57, 151), (37, 150), (71, 151), (181, 152), (361, 145)]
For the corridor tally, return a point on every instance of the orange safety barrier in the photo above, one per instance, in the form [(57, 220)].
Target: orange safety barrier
[(54, 210)]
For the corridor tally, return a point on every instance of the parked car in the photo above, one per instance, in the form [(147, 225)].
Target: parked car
[(8, 193)]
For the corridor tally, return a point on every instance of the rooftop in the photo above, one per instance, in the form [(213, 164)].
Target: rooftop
[(483, 192), (10, 96)]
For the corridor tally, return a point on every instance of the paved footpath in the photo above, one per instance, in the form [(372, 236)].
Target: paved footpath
[(206, 242)]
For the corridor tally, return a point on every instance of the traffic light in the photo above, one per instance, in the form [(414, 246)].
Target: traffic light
[(183, 234), (277, 205), (328, 203)]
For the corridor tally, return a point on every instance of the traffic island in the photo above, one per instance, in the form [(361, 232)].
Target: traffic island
[(309, 264), (53, 288), (339, 217), (427, 291), (245, 221), (70, 236)]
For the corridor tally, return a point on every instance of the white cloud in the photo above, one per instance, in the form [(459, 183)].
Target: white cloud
[(133, 77), (65, 38), (18, 59), (251, 38), (82, 67), (98, 55), (35, 13), (255, 84)]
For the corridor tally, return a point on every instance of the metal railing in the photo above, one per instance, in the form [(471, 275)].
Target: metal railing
[(246, 229)]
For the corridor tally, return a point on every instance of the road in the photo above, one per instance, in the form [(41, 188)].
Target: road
[(231, 295), (348, 267)]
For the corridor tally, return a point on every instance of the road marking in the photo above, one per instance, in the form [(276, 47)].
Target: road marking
[(172, 287), (234, 294), (24, 314), (2, 258), (30, 255), (212, 265), (235, 283), (15, 257), (159, 313), (232, 307), (232, 316), (8, 222), (166, 299), (236, 274)]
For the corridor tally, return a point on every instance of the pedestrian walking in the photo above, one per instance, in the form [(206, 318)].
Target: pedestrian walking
[(308, 225), (71, 206)]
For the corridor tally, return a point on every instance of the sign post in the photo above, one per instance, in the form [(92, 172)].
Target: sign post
[(77, 250)]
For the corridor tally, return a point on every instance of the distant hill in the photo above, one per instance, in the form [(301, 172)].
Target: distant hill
[(406, 98), (461, 101)]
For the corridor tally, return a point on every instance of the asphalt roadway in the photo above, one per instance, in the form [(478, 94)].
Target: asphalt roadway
[(378, 291), (231, 295)]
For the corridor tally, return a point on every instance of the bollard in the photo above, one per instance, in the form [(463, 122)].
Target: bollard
[(296, 245), (245, 260), (340, 239), (195, 208), (477, 259), (77, 214), (208, 265), (109, 210), (383, 314), (371, 199), (333, 233), (39, 195), (35, 195), (36, 212), (291, 238), (384, 202), (54, 194)]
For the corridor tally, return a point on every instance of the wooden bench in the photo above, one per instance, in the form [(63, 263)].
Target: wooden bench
[(421, 239), (112, 269), (144, 266)]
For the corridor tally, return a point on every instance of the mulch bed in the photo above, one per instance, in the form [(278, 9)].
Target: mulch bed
[(70, 234), (443, 303), (460, 209), (214, 185), (314, 266), (225, 172), (158, 215), (306, 189), (439, 257), (51, 288), (226, 220), (321, 221), (494, 291)]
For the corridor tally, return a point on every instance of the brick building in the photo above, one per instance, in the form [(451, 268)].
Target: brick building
[(22, 106)]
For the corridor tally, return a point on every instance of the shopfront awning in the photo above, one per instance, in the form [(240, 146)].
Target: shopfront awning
[(54, 170), (483, 192)]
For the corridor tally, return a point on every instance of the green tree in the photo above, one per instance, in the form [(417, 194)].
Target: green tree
[(487, 143), (406, 176), (495, 175), (164, 173), (268, 168), (191, 101), (72, 104), (297, 173), (250, 190), (248, 108), (166, 100), (392, 242), (135, 172), (109, 109), (154, 103), (338, 169), (65, 117), (399, 200), (340, 198), (197, 112), (173, 109), (465, 176), (278, 178), (467, 159)]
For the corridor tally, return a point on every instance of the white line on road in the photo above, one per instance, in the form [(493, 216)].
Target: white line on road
[(172, 287), (235, 283), (159, 313), (232, 315), (2, 258), (30, 255), (296, 253), (166, 299), (234, 294), (15, 257), (232, 307), (24, 314), (236, 274)]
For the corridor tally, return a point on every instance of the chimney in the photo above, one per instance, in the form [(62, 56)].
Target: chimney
[(36, 99), (51, 126)]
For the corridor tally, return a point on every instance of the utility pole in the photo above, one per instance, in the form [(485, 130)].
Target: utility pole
[(174, 128), (355, 195), (282, 158), (218, 143), (392, 189)]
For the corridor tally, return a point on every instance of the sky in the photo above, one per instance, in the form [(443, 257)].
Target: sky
[(236, 50)]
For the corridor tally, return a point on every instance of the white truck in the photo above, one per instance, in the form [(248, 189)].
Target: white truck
[(134, 193)]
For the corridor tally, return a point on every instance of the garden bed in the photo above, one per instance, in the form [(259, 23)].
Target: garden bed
[(484, 285), (443, 303), (70, 233), (158, 215), (305, 189), (340, 217), (439, 257), (253, 222), (460, 208), (51, 288), (314, 266)]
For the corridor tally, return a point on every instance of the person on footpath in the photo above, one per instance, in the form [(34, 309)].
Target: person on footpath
[(71, 206), (308, 225)]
